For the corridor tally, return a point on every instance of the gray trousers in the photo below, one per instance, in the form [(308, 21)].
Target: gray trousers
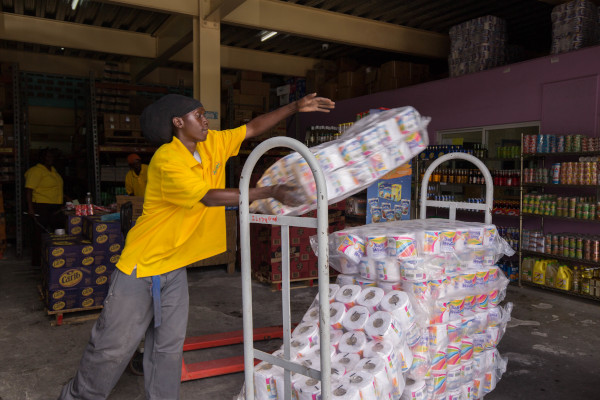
[(128, 315)]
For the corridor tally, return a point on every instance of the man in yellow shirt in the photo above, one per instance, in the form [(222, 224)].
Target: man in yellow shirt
[(44, 195), (183, 221), (137, 176)]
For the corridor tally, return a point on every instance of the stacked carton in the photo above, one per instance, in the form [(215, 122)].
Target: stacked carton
[(248, 95), (76, 268), (266, 254), (477, 45), (574, 25)]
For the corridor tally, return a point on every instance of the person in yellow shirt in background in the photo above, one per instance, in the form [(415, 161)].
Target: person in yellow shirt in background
[(137, 177), (44, 195), (183, 221)]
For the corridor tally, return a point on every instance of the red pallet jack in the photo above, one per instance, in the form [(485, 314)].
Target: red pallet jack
[(203, 369)]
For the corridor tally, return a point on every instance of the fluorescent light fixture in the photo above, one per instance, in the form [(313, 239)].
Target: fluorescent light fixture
[(267, 35), (74, 4)]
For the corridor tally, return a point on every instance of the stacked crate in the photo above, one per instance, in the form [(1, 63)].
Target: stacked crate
[(266, 251), (477, 45), (574, 25), (76, 267)]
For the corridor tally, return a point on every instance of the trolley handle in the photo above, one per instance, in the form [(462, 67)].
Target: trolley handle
[(453, 205)]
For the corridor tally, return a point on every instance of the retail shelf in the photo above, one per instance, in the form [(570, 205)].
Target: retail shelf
[(127, 86), (559, 185), (472, 185), (563, 218), (126, 149), (568, 259), (563, 154), (7, 150), (565, 292)]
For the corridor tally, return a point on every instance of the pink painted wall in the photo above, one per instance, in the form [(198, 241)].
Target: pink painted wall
[(509, 94)]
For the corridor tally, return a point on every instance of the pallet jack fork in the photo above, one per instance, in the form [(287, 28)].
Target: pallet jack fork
[(205, 369)]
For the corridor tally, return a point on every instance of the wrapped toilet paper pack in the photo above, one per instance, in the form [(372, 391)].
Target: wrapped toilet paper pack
[(378, 144), (430, 335)]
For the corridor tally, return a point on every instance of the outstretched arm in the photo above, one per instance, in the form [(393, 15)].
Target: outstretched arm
[(231, 197), (308, 103)]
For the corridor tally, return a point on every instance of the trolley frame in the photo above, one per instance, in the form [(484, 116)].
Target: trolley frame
[(453, 205), (321, 223)]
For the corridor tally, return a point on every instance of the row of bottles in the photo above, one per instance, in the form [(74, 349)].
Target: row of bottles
[(317, 134), (475, 176)]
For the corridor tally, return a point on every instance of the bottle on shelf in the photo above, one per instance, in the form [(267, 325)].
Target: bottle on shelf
[(88, 198)]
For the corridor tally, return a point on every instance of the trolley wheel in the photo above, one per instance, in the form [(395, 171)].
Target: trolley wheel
[(136, 364)]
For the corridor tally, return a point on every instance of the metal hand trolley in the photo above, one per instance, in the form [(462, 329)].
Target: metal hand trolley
[(250, 353), (453, 205)]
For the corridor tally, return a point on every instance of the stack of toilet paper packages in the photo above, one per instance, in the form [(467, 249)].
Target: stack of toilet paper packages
[(374, 146), (415, 314)]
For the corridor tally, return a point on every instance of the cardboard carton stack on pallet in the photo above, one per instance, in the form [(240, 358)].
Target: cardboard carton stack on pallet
[(76, 267), (574, 25)]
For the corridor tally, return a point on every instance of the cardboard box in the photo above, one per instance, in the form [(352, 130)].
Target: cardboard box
[(101, 232), (137, 203), (250, 75), (61, 299), (125, 122), (111, 122), (66, 278), (73, 223), (62, 253), (251, 102), (256, 88)]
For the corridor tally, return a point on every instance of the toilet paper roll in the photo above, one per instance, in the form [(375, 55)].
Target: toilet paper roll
[(382, 326), (478, 363), (453, 354), (351, 151), (490, 357), (348, 360), (363, 382), (470, 301), (437, 287), (453, 394), (347, 295), (481, 278), (494, 274), (438, 335), (299, 347), (438, 358), (453, 377), (389, 286), (467, 279), (335, 335), (311, 361), (347, 267), (493, 336), (316, 351), (329, 158), (414, 390), (430, 241), (345, 392), (333, 289), (490, 380), (307, 388), (480, 321), (456, 308), (466, 391), (413, 269), (412, 334), (402, 245), (307, 331), (337, 311), (479, 340), (344, 279), (265, 385), (376, 246), (365, 283), (367, 268), (455, 330), (462, 235), (388, 269), (440, 382), (466, 349), (338, 371), (475, 237), (398, 304), (376, 367), (466, 371), (494, 298), (393, 363), (356, 319), (469, 325), (312, 315), (478, 386), (370, 298), (406, 357), (494, 316), (490, 233), (353, 342), (447, 240)]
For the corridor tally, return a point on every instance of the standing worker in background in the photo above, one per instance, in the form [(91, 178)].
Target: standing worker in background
[(137, 177), (44, 195), (183, 222)]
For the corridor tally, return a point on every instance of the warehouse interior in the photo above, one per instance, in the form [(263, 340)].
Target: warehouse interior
[(513, 83)]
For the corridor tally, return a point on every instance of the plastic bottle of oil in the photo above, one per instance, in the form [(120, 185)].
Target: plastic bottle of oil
[(576, 280)]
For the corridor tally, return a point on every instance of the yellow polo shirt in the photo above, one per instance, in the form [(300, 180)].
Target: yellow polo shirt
[(47, 184), (136, 184), (175, 228)]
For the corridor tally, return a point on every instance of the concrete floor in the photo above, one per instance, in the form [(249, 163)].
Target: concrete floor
[(551, 342)]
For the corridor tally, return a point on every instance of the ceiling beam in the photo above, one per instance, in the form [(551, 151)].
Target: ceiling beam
[(27, 29), (182, 7), (331, 26), (223, 10)]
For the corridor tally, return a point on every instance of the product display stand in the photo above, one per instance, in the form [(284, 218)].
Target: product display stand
[(453, 205), (250, 353)]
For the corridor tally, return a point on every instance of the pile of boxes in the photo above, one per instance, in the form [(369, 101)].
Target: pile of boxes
[(121, 126), (574, 25), (266, 253), (247, 96), (477, 45), (112, 99), (345, 79), (76, 267)]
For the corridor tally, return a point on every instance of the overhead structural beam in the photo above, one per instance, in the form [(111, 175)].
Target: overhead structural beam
[(225, 8), (173, 35), (330, 26), (312, 23), (49, 32)]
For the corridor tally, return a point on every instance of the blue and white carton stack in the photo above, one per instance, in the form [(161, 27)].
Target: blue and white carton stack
[(574, 25)]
